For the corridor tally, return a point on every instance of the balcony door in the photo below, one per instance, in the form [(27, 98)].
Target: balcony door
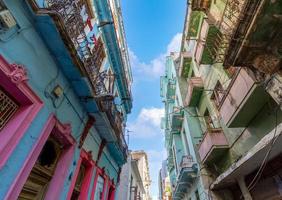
[(42, 172)]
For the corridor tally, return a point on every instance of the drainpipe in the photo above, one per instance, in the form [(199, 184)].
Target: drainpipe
[(245, 192)]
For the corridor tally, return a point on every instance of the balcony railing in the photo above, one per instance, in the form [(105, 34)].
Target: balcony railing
[(201, 5), (209, 44), (201, 42), (194, 92), (187, 174), (170, 162), (170, 92), (176, 119), (185, 64), (76, 15), (116, 120), (212, 43), (194, 25), (230, 19), (187, 162), (213, 145), (244, 97), (263, 35)]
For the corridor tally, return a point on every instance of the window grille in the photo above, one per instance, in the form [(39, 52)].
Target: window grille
[(8, 107)]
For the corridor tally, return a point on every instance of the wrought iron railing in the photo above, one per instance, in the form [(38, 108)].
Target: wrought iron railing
[(187, 161), (116, 120), (230, 19), (71, 12)]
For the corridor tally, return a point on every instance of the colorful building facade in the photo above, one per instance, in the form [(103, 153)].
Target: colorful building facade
[(65, 92), (230, 67)]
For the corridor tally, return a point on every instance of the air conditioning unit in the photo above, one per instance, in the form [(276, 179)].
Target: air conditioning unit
[(7, 20)]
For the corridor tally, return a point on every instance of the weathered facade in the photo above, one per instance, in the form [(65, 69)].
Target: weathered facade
[(131, 182), (178, 125), (228, 74), (65, 94), (143, 166)]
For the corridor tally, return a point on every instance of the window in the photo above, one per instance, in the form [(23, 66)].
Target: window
[(18, 107), (217, 94), (197, 195), (111, 195), (42, 175), (7, 20), (8, 107), (81, 179), (208, 120), (42, 172), (99, 188), (78, 182)]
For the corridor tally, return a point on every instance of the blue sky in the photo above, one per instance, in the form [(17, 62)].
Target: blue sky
[(153, 29)]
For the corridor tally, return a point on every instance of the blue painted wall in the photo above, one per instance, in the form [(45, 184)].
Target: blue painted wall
[(24, 45)]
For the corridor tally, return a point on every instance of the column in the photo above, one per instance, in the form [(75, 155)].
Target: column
[(244, 189)]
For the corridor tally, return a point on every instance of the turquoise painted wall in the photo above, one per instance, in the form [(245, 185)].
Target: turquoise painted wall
[(191, 127), (23, 45)]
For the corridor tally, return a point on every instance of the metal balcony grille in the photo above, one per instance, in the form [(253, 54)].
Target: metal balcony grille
[(230, 19), (75, 15), (8, 107)]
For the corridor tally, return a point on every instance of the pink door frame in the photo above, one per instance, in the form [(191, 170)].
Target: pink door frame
[(62, 132), (13, 79), (111, 191), (86, 159)]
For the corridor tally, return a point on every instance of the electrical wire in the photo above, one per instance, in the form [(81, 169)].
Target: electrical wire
[(265, 160)]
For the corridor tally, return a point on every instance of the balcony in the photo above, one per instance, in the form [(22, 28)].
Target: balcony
[(185, 64), (163, 82), (201, 5), (176, 119), (170, 92), (187, 174), (243, 99), (212, 43), (114, 116), (213, 145), (201, 42), (274, 88), (72, 25), (263, 32), (170, 162), (194, 25), (195, 91)]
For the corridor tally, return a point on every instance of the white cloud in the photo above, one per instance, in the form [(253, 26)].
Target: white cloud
[(147, 124), (155, 68), (174, 45)]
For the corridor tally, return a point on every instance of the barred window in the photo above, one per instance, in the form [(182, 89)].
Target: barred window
[(8, 107)]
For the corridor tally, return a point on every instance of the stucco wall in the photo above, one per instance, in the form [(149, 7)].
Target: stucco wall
[(23, 45)]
